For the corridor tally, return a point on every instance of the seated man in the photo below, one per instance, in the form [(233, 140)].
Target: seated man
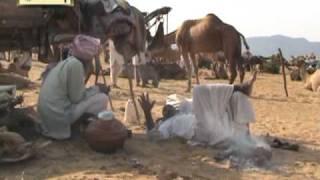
[(63, 97), (215, 115)]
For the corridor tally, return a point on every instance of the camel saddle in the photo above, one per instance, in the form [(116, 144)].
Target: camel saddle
[(101, 15), (106, 6)]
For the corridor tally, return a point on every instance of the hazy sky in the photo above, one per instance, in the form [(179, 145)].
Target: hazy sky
[(296, 18)]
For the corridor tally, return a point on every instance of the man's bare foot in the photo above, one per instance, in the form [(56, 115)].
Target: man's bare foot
[(253, 78), (247, 86)]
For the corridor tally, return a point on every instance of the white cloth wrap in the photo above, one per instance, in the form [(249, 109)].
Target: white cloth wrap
[(220, 113)]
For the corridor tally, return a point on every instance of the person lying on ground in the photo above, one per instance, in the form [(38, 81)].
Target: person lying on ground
[(63, 97), (210, 118)]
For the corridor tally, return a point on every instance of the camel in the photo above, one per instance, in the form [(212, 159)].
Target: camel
[(210, 35), (252, 61), (313, 83)]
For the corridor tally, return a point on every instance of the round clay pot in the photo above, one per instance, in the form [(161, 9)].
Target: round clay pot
[(106, 136)]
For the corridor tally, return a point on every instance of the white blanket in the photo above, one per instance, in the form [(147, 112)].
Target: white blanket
[(221, 114), (181, 125)]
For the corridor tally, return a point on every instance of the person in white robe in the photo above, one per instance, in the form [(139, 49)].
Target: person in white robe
[(218, 116), (116, 64), (216, 113)]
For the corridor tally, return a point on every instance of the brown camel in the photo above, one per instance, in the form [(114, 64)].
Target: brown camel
[(210, 35)]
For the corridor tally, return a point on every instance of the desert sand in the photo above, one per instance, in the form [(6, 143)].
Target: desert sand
[(295, 119)]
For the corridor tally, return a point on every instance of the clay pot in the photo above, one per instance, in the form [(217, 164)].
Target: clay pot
[(106, 136)]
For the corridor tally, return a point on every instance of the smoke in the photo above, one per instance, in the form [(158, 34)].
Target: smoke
[(246, 151)]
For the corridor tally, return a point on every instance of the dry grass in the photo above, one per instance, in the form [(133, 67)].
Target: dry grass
[(295, 119)]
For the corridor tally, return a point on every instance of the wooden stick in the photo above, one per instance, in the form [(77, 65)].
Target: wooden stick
[(110, 102), (283, 73), (9, 54), (98, 69)]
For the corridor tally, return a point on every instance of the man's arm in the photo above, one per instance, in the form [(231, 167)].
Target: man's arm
[(75, 79), (153, 132), (149, 120), (147, 106)]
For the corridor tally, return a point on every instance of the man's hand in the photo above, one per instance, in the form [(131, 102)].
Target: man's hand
[(145, 102), (147, 106), (104, 88)]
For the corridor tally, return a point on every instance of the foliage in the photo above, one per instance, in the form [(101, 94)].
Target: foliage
[(271, 67)]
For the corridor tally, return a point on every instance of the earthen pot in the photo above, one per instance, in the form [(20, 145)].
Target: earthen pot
[(106, 136)]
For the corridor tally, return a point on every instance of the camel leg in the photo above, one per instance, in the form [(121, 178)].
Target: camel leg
[(188, 69), (261, 68), (233, 72), (242, 72), (195, 66), (214, 70)]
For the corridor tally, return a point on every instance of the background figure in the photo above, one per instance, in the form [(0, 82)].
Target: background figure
[(21, 64), (182, 65), (137, 61), (116, 63)]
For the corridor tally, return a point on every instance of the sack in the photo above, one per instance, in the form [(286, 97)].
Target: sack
[(130, 116)]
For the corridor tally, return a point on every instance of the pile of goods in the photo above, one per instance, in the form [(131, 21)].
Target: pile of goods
[(17, 126)]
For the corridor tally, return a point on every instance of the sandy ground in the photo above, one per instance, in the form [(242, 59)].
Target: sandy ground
[(295, 119)]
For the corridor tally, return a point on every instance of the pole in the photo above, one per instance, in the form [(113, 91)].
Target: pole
[(283, 73), (167, 23), (132, 94), (9, 54)]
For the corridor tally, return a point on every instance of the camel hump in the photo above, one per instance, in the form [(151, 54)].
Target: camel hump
[(182, 33), (214, 17)]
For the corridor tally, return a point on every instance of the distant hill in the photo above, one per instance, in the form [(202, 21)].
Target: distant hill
[(268, 45)]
